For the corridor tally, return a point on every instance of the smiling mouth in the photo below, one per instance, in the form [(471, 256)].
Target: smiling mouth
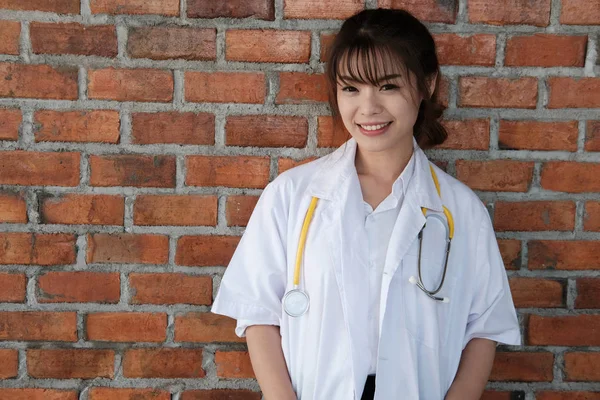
[(374, 127)]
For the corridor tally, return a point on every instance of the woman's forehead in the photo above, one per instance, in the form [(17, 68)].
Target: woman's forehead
[(369, 66)]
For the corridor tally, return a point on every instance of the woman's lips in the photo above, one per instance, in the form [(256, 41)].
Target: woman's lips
[(381, 128)]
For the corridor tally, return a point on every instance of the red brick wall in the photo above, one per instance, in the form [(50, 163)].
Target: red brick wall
[(136, 135)]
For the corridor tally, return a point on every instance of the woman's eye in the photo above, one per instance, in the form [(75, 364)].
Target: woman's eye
[(349, 89), (389, 86)]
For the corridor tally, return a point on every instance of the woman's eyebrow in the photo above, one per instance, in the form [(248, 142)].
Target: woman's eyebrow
[(346, 78)]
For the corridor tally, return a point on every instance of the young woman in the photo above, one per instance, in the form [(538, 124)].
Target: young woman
[(370, 273)]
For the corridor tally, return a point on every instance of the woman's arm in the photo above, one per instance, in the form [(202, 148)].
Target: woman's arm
[(473, 371), (266, 355)]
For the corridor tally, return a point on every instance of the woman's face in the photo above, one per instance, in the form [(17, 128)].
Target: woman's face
[(380, 117)]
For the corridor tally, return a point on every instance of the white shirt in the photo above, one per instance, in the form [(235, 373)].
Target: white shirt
[(379, 224)]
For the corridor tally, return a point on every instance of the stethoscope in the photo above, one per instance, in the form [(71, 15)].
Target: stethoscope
[(296, 300)]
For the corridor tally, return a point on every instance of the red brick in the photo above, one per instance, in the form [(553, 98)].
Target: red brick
[(544, 395), (454, 49), (568, 92), (510, 12), (495, 175), (173, 127), (441, 94), (591, 217), (300, 88), (205, 327), (10, 121), (426, 10), (133, 170), (175, 210), (470, 134), (225, 87), (161, 7), (13, 208), (579, 330), (38, 81), (220, 394), (70, 363), (55, 6), (163, 363), (538, 135), (239, 208), (13, 287), (571, 177), (534, 216), (580, 12), (233, 364), (532, 292), (582, 366), (510, 250), (592, 136), (163, 43), (73, 38), (104, 393), (170, 289), (258, 9), (10, 32), (79, 287), (128, 248), (284, 164), (77, 126), (39, 168), (205, 251), (266, 131), (37, 248), (326, 40), (543, 50), (478, 91), (88, 209), (588, 293), (239, 171), (522, 367), (9, 367), (127, 327), (38, 394), (130, 85), (261, 45), (324, 9), (38, 325), (564, 255), (330, 134)]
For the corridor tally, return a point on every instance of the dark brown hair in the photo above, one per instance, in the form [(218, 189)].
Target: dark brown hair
[(373, 40)]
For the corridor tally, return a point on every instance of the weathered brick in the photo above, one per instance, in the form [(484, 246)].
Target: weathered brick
[(299, 88), (55, 6), (454, 49), (220, 394), (571, 176), (225, 87), (266, 131), (582, 366), (39, 168), (79, 287), (523, 367), (205, 250), (38, 81), (238, 209), (495, 175), (133, 170), (547, 395), (532, 292), (173, 127), (77, 126), (592, 136), (588, 293), (105, 393), (128, 248), (262, 45), (240, 171), (10, 121), (510, 249), (13, 287), (426, 10), (578, 330), (330, 134), (38, 325), (566, 92), (564, 254), (591, 217), (284, 164), (70, 363), (259, 9), (579, 12), (161, 7), (13, 208), (163, 43), (37, 248), (175, 210), (233, 364), (538, 135), (38, 394), (467, 134), (130, 85), (88, 209), (163, 363), (479, 91), (510, 12), (324, 9), (10, 33), (205, 327), (326, 40), (534, 216), (9, 368), (170, 289), (127, 327), (543, 50), (73, 38)]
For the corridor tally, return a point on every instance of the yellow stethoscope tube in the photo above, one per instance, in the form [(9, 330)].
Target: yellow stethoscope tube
[(300, 252)]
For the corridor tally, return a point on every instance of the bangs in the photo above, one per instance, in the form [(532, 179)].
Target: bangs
[(367, 64)]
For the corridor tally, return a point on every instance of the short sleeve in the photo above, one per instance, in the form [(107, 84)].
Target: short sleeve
[(255, 279), (492, 314)]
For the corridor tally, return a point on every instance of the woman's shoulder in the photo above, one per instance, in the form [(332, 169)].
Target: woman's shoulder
[(296, 179)]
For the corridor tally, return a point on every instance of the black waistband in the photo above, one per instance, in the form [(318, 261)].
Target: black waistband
[(369, 391)]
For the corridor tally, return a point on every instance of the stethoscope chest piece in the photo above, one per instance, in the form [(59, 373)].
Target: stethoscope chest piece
[(295, 303)]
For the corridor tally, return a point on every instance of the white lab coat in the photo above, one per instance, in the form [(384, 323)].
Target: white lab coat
[(421, 340)]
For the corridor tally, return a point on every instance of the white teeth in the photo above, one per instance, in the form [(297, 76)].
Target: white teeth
[(373, 127)]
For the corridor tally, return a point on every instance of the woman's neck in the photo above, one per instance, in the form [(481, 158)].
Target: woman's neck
[(384, 166)]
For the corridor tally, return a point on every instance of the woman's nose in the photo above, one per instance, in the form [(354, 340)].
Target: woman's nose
[(370, 103)]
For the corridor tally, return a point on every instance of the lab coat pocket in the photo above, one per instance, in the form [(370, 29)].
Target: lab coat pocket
[(426, 320)]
